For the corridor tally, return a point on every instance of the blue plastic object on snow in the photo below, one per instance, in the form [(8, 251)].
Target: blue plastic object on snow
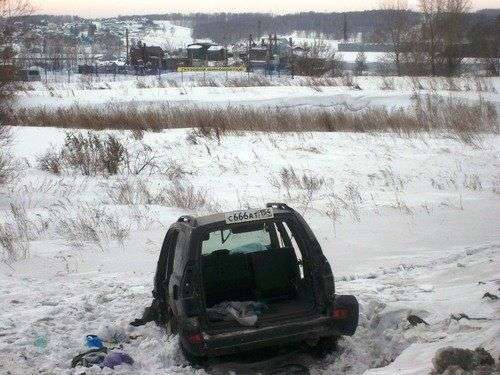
[(93, 342), (41, 342)]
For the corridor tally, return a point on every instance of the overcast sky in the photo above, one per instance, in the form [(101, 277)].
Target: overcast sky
[(102, 8)]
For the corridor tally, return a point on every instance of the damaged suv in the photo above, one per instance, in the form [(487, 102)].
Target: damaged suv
[(238, 281)]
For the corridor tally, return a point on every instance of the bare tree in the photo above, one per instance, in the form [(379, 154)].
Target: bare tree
[(432, 13), (455, 11), (9, 9), (485, 39), (360, 64), (442, 30), (397, 28)]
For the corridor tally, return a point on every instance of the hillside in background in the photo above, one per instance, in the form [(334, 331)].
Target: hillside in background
[(232, 27)]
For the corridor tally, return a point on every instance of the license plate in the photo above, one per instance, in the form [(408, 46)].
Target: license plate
[(248, 215)]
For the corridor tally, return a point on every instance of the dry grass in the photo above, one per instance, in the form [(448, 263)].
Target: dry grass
[(51, 162), (13, 248), (80, 226), (464, 120), (91, 154), (185, 196), (472, 182), (17, 231), (179, 193), (252, 81), (387, 83), (346, 202), (302, 188), (6, 163), (321, 81)]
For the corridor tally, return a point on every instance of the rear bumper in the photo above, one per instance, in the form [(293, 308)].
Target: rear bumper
[(253, 338)]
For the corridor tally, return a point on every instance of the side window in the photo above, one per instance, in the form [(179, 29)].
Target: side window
[(179, 251), (286, 238), (172, 247)]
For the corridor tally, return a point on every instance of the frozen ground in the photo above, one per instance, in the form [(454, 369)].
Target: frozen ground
[(410, 225)]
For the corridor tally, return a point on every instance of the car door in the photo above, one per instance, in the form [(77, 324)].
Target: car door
[(179, 256), (165, 265)]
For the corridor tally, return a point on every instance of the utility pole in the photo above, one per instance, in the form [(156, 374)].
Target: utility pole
[(345, 28), (269, 52), (250, 42), (127, 45)]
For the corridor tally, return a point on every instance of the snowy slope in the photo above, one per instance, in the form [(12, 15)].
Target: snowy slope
[(167, 36), (418, 234)]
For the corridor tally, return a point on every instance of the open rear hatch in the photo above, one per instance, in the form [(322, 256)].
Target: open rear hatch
[(256, 268)]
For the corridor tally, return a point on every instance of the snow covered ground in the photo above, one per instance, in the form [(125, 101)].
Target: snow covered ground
[(416, 232), (281, 91), (409, 225)]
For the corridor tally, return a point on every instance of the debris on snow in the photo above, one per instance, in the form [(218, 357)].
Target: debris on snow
[(112, 333), (483, 358), (450, 360), (414, 320), (493, 297), (116, 358), (465, 316)]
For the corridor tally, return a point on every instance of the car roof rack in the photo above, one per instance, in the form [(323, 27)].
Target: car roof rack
[(281, 206), (187, 219)]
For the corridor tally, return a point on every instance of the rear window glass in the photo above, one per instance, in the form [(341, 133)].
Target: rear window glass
[(245, 242)]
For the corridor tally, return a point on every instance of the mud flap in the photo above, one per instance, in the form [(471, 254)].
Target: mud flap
[(345, 313)]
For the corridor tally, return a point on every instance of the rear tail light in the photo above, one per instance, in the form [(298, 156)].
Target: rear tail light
[(339, 313), (196, 338)]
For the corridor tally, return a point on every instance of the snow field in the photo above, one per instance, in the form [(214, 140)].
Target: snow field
[(409, 225)]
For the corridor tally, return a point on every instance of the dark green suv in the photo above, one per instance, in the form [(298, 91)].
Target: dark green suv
[(243, 280)]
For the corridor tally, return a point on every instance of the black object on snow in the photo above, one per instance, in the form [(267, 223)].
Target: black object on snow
[(90, 358), (493, 297), (465, 316), (414, 320), (151, 313), (102, 357)]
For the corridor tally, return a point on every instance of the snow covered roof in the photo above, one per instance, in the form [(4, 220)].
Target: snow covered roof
[(215, 48), (204, 41), (194, 46)]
